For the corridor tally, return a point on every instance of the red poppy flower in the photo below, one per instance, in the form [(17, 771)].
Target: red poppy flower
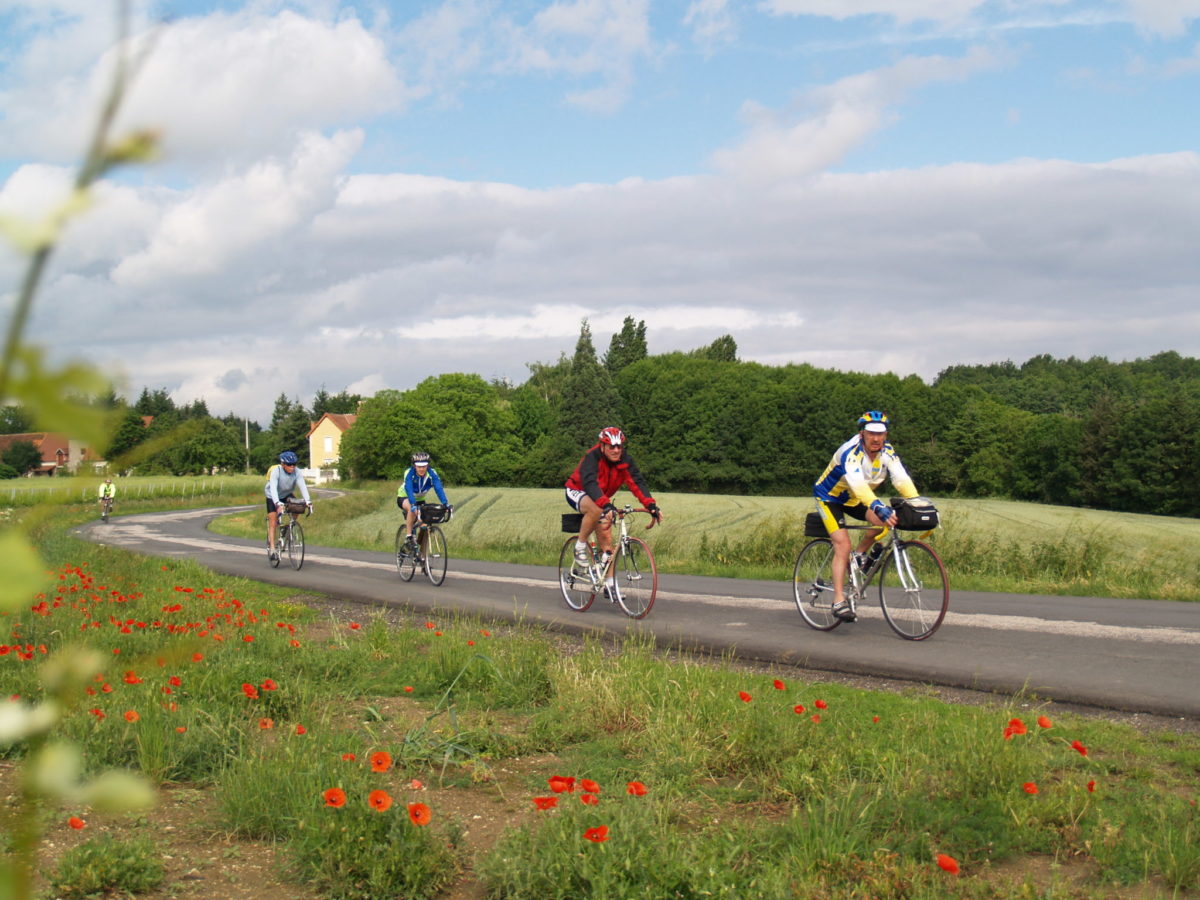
[(335, 797), (590, 786), (779, 685), (131, 678), (635, 788), (269, 685), (744, 697), (545, 802), (380, 801), (419, 813), (485, 633), (408, 689), (1091, 786), (874, 718), (589, 799), (949, 863), (1043, 722), (76, 823), (561, 783), (1030, 788), (300, 729), (817, 718), (416, 785), (294, 642), (430, 626), (821, 704), (98, 713), (381, 761), (175, 680), (181, 728), (1082, 750), (266, 724), (1015, 726), (349, 757), (597, 835), (250, 691), (354, 626), (470, 643), (131, 715), (799, 708)]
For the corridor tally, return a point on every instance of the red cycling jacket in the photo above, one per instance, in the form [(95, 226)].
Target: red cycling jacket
[(600, 479)]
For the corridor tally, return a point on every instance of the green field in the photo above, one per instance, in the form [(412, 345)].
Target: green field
[(19, 492), (993, 545)]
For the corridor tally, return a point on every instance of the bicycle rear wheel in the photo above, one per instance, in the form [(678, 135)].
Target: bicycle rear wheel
[(636, 578), (406, 562), (913, 590), (576, 587), (812, 585), (435, 555), (295, 547)]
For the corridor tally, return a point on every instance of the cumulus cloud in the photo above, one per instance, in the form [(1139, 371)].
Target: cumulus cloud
[(221, 89)]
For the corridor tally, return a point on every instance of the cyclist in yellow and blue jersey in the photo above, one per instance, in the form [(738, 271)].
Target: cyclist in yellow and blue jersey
[(419, 479), (847, 488)]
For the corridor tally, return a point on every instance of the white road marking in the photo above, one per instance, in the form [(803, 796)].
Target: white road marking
[(118, 532)]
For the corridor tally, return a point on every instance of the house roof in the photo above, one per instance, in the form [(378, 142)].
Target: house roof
[(49, 443), (342, 421)]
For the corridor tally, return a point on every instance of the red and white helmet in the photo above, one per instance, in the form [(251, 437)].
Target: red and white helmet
[(613, 436)]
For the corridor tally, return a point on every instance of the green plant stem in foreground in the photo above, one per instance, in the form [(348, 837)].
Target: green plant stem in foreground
[(754, 789)]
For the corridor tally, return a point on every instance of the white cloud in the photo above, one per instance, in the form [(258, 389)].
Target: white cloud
[(946, 11), (587, 38), (221, 89), (833, 119), (711, 22)]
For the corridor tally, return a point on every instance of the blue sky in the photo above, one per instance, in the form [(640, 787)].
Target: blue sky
[(408, 188)]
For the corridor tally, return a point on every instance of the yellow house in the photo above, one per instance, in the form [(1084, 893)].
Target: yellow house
[(325, 442)]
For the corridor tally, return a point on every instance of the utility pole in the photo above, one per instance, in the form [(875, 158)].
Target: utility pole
[(246, 422)]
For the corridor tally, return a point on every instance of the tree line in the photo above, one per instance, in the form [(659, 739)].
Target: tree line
[(1077, 432)]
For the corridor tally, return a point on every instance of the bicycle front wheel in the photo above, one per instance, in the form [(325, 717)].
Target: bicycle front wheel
[(576, 586), (435, 555), (636, 578), (913, 590), (406, 562), (295, 547), (812, 585)]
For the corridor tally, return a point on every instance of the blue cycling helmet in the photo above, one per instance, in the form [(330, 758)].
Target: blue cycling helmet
[(288, 458), (873, 421)]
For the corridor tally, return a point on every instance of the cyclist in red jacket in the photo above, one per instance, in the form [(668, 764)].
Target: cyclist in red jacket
[(603, 471)]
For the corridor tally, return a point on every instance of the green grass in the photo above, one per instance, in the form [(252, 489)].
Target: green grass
[(992, 545), (759, 785)]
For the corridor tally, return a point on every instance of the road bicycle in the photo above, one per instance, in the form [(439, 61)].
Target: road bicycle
[(628, 577), (913, 589), (430, 550), (106, 505), (289, 536)]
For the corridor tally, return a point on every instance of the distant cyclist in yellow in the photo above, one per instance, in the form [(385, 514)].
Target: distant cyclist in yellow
[(847, 487), (108, 491)]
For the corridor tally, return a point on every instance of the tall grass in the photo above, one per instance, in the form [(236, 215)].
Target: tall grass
[(990, 545)]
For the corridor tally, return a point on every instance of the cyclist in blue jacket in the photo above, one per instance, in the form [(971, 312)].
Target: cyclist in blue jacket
[(419, 478)]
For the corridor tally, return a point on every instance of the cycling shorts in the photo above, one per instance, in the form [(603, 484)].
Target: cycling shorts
[(574, 498), (833, 515), (282, 500)]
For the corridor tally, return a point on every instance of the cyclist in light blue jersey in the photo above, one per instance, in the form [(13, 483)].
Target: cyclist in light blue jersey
[(419, 479), (282, 480)]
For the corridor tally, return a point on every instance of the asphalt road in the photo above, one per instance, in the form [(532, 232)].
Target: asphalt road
[(1140, 656)]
